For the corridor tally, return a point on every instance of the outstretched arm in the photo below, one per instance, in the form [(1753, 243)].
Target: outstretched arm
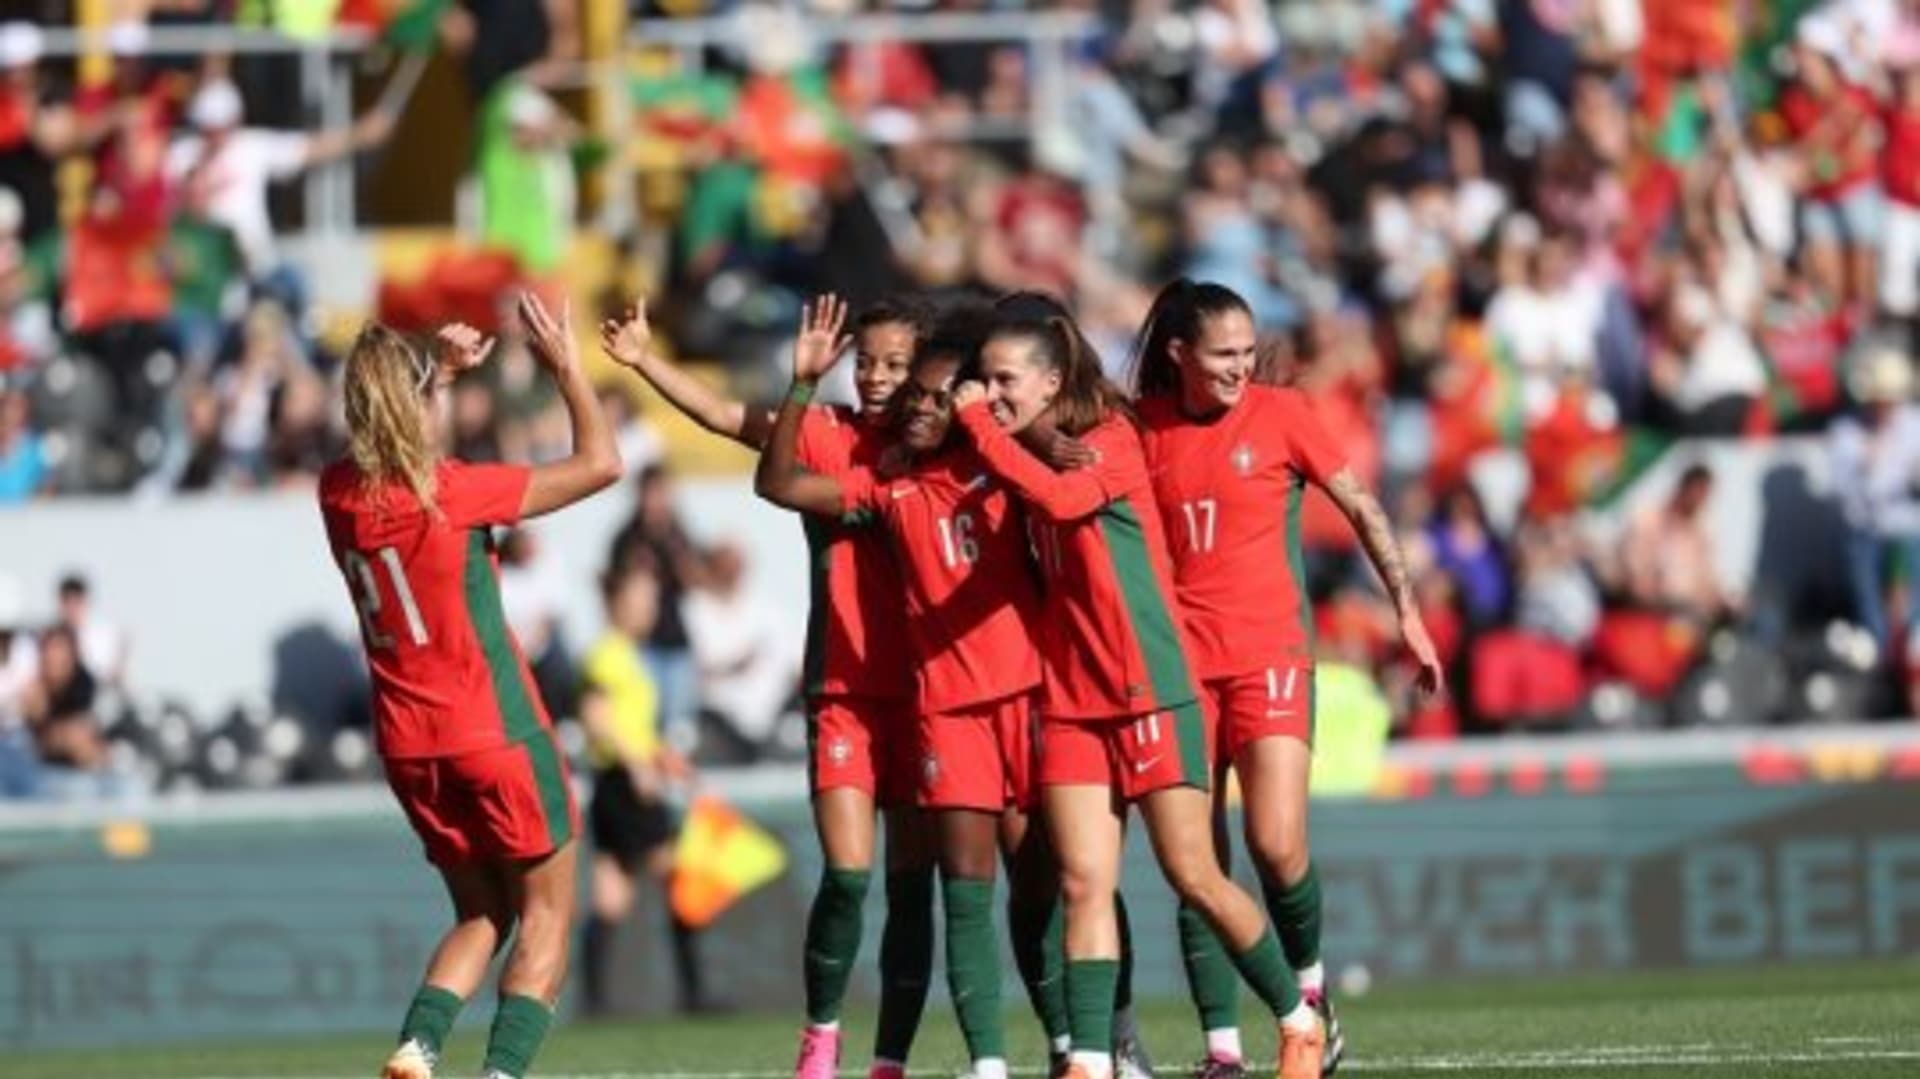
[(594, 463), (779, 478), (365, 133), (1060, 496), (629, 341), (1376, 535)]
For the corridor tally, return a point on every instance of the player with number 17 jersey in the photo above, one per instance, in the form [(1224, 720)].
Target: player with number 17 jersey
[(1230, 490), (972, 600)]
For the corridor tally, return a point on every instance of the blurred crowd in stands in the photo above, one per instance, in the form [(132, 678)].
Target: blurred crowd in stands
[(1572, 234)]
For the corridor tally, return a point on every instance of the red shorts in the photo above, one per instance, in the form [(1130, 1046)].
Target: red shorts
[(513, 802), (1135, 756), (866, 743), (1276, 702), (978, 757)]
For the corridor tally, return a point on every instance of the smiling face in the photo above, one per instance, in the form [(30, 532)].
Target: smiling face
[(1021, 384), (926, 407), (1215, 369), (883, 353)]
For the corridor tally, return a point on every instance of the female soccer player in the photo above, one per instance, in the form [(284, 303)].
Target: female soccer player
[(859, 686), (971, 601), (468, 748), (1123, 717), (1230, 462)]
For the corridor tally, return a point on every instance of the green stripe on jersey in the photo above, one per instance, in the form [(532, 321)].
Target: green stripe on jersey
[(1147, 612), (517, 713), (1190, 730), (1297, 565), (1297, 558), (820, 536), (551, 780)]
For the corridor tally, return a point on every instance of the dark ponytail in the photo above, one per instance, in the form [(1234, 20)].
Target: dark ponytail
[(1087, 397), (1177, 314)]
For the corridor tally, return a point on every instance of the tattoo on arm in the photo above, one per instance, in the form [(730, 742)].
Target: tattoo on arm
[(1376, 534)]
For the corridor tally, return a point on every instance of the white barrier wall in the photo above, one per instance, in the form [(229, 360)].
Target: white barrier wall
[(205, 586)]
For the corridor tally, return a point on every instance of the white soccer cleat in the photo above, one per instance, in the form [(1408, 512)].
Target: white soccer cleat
[(411, 1061)]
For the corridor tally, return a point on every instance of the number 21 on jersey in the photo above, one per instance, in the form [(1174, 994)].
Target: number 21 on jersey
[(1202, 515), (365, 583)]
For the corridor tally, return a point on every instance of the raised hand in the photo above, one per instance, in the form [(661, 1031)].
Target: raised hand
[(821, 340), (967, 393), (551, 341), (628, 340), (462, 348), (1432, 677)]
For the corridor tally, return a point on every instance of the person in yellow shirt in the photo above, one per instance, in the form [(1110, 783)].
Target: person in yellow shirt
[(632, 822)]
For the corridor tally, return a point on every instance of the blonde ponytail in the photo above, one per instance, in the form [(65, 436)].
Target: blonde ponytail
[(387, 434)]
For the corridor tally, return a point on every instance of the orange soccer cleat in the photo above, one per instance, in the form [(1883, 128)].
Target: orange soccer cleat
[(1301, 1049)]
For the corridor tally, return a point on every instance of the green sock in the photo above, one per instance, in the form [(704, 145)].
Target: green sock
[(518, 1029), (430, 1017), (1038, 929), (906, 962), (1264, 966), (1295, 909), (1210, 976), (1090, 987), (973, 966), (833, 938), (1123, 986)]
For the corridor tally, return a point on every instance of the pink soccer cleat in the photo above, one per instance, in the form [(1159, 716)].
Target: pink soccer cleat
[(819, 1053)]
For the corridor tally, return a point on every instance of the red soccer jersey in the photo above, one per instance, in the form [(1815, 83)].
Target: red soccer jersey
[(1111, 638), (856, 631), (1900, 157), (448, 677), (1830, 136), (1230, 490), (972, 598)]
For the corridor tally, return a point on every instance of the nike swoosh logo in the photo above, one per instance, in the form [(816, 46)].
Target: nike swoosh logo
[(979, 481), (901, 492), (1140, 767)]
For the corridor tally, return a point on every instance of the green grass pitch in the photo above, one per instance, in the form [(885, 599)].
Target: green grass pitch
[(1859, 1021)]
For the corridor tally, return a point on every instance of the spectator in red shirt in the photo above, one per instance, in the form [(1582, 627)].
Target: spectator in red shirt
[(1836, 129), (1900, 173), (1032, 242)]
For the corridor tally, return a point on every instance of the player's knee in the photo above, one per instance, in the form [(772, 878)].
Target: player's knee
[(969, 864), (1194, 875), (1082, 886), (1282, 854), (545, 926)]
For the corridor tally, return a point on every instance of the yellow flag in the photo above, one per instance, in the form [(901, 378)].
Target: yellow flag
[(722, 856)]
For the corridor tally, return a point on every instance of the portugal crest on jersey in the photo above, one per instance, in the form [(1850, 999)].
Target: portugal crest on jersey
[(1242, 459)]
